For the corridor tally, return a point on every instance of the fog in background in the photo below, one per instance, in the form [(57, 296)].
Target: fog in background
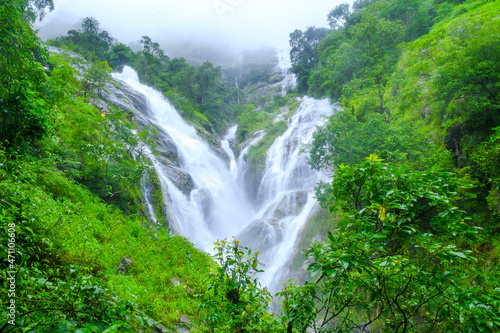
[(228, 26)]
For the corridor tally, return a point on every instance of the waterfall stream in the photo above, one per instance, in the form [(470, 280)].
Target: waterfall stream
[(205, 194), (217, 206), (286, 192)]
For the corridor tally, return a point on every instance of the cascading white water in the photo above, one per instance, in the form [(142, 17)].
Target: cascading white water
[(229, 209), (225, 143), (286, 190), (286, 168), (284, 64), (217, 205)]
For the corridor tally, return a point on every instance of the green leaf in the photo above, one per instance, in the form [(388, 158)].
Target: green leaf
[(82, 330), (458, 254)]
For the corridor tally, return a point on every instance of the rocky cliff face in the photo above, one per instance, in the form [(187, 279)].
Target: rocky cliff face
[(123, 97)]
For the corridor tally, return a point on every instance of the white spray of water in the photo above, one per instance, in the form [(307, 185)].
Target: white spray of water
[(230, 210), (284, 64), (287, 180), (285, 194), (225, 143)]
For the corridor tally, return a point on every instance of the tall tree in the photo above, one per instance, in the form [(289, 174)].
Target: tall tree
[(339, 16), (25, 117), (152, 59), (304, 53), (37, 8)]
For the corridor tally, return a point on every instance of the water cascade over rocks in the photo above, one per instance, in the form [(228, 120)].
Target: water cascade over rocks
[(205, 202), (205, 186), (285, 195)]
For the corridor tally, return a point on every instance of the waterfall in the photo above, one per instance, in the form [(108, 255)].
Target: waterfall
[(204, 188), (226, 145), (286, 192), (215, 207), (284, 65)]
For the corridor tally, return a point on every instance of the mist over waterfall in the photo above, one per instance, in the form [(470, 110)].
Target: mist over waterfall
[(215, 207), (205, 188)]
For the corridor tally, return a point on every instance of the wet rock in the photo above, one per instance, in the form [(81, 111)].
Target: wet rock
[(184, 320), (100, 105), (124, 264), (137, 100), (262, 234), (214, 141), (181, 179), (184, 324), (159, 329), (219, 151), (117, 98), (57, 50), (167, 147), (291, 204), (175, 282), (250, 178), (204, 200), (315, 211)]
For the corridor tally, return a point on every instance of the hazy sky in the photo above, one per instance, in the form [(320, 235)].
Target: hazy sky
[(240, 23)]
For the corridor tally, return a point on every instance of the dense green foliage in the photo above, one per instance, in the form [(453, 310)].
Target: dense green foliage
[(197, 91), (24, 93), (410, 237), (69, 250), (234, 300), (304, 53), (346, 140), (418, 84), (438, 94), (397, 261), (70, 202)]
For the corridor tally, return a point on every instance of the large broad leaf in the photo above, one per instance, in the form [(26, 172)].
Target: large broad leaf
[(458, 254)]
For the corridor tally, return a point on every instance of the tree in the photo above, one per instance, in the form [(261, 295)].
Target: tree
[(207, 77), (339, 16), (25, 113), (36, 8), (96, 76), (152, 59), (234, 300), (90, 26), (394, 262), (343, 139), (304, 55), (120, 55), (89, 40), (374, 41)]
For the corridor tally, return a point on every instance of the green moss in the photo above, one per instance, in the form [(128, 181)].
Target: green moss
[(316, 228), (256, 157), (158, 200)]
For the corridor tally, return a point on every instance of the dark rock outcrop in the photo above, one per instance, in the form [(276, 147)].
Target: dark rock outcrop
[(262, 234), (181, 179), (204, 200), (124, 264)]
